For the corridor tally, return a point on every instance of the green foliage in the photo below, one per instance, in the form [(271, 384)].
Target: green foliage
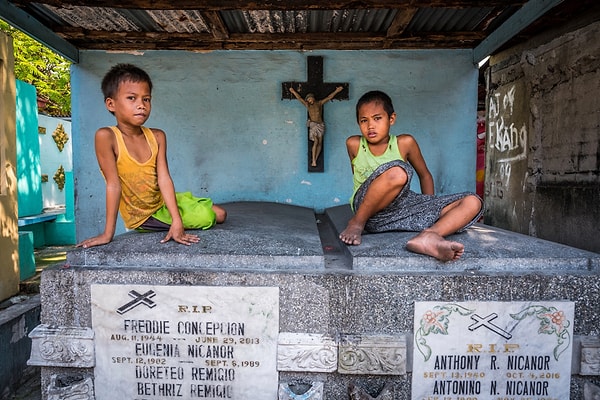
[(39, 66)]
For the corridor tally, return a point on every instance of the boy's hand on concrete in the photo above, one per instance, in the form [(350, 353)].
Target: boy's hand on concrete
[(95, 241), (180, 236)]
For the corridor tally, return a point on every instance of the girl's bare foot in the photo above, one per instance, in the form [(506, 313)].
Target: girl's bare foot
[(352, 235), (431, 244)]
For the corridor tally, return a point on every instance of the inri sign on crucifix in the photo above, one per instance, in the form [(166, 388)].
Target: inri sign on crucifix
[(313, 94)]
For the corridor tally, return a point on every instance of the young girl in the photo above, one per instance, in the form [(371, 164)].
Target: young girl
[(382, 201), (133, 161)]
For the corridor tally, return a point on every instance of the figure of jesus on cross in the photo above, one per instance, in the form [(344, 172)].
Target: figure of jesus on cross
[(315, 123), (313, 94)]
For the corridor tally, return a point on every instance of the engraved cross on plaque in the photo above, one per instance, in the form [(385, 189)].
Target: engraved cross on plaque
[(137, 300), (320, 90), (487, 322)]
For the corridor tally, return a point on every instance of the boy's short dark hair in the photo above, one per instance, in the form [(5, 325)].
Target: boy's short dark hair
[(376, 96), (123, 73)]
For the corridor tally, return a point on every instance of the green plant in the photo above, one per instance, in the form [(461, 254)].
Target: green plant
[(37, 65)]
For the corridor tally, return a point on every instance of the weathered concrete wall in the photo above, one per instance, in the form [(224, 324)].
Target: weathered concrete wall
[(9, 234), (543, 154)]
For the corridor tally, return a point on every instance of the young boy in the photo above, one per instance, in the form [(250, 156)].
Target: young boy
[(383, 166), (316, 125), (133, 161)]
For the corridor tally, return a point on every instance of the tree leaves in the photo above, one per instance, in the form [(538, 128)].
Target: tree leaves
[(47, 71)]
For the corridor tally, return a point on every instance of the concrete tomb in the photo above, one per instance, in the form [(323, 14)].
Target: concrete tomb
[(270, 305)]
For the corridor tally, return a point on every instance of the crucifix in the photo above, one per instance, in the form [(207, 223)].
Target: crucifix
[(313, 94)]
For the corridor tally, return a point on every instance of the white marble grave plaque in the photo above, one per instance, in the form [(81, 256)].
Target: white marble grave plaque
[(170, 342), (492, 350)]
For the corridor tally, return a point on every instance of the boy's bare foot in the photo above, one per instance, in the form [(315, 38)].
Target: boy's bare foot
[(352, 235), (432, 244)]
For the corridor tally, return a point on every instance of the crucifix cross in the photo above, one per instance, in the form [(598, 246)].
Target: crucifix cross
[(320, 90)]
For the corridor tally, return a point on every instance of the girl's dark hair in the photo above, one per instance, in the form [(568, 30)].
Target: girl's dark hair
[(123, 73), (376, 96)]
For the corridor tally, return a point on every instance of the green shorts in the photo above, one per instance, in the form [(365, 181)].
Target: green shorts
[(196, 212)]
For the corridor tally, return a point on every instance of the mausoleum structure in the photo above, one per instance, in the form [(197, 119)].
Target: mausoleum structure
[(271, 302), (270, 305)]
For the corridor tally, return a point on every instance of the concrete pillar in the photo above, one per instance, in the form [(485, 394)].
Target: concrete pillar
[(9, 232)]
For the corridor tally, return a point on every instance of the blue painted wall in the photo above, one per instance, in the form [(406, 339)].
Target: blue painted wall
[(28, 151), (232, 138), (35, 152)]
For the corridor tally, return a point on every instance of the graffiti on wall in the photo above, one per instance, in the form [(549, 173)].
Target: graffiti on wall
[(507, 140)]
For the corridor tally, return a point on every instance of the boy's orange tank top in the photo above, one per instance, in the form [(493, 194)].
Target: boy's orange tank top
[(140, 194)]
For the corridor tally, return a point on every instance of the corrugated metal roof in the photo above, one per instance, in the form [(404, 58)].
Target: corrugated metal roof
[(298, 24), (448, 19)]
